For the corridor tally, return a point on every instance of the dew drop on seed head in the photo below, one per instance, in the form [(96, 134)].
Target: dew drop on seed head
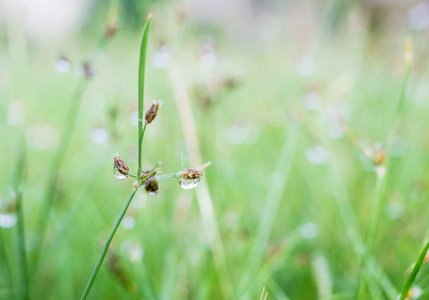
[(188, 184), (118, 174)]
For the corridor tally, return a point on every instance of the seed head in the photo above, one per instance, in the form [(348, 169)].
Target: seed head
[(120, 168), (379, 156), (152, 111), (151, 186), (110, 31), (191, 174), (146, 173), (88, 71)]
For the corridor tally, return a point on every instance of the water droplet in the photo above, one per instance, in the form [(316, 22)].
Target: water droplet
[(118, 174), (208, 57), (62, 65), (312, 101), (317, 155), (415, 292), (188, 184), (309, 230), (128, 222), (418, 16), (305, 66), (99, 136), (161, 58), (133, 250), (7, 221), (236, 134)]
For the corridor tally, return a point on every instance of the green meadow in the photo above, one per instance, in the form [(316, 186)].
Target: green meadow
[(313, 115)]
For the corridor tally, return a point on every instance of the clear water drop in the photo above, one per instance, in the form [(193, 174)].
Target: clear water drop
[(128, 222), (118, 174), (188, 184), (62, 65), (7, 221)]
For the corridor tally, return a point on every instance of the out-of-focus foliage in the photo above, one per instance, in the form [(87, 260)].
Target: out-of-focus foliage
[(259, 75)]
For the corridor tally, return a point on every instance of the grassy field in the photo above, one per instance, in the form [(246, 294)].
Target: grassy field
[(318, 185)]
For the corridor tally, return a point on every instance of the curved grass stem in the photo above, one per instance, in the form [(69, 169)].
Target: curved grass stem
[(141, 131), (106, 246), (375, 219), (414, 273)]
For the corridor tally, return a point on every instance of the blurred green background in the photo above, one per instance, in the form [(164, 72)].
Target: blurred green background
[(287, 201)]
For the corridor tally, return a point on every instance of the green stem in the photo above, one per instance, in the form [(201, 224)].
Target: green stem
[(405, 83), (270, 208), (414, 273), (141, 135), (106, 246), (381, 180), (141, 79), (375, 219), (166, 176)]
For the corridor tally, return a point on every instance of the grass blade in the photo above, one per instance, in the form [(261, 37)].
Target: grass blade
[(414, 273), (142, 67), (204, 198)]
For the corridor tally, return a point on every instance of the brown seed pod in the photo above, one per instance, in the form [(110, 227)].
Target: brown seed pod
[(120, 168), (146, 173), (151, 186), (191, 174), (152, 111), (379, 156)]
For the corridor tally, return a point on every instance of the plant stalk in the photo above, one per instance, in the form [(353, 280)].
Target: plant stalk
[(414, 273), (141, 79), (106, 246), (375, 219)]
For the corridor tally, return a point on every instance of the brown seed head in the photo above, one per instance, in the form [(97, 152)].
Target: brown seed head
[(152, 111), (146, 173), (191, 174), (110, 31), (120, 165), (88, 71), (151, 186), (379, 156)]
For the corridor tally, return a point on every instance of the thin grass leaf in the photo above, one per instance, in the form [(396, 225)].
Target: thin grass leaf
[(414, 273), (262, 294), (142, 67), (382, 177)]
